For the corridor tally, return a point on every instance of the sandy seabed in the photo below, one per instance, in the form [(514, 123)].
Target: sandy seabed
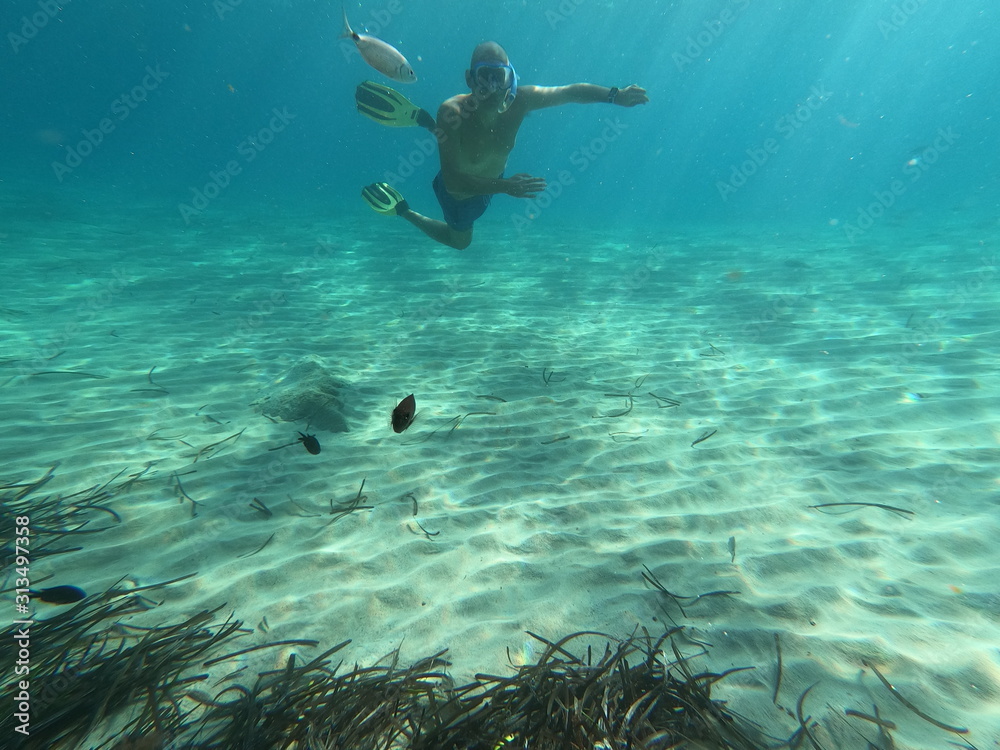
[(586, 407)]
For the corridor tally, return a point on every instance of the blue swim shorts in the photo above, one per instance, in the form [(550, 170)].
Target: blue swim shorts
[(460, 214)]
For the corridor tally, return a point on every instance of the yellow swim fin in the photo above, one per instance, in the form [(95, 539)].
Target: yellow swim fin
[(388, 107), (384, 199)]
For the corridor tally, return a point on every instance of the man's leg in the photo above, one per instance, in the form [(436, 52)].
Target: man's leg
[(437, 230), (388, 201)]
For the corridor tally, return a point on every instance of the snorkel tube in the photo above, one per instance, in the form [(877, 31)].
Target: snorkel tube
[(509, 94)]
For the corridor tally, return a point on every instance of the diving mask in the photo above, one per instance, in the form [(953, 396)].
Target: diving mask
[(490, 77)]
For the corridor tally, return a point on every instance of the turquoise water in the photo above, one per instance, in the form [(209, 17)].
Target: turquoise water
[(796, 238), (846, 96)]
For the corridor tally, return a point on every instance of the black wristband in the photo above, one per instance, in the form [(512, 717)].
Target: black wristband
[(612, 95)]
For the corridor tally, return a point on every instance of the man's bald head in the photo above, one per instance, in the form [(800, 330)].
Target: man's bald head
[(488, 52)]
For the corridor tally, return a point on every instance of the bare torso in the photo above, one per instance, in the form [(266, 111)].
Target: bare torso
[(485, 139)]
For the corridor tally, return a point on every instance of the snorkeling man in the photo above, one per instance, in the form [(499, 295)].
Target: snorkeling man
[(476, 133)]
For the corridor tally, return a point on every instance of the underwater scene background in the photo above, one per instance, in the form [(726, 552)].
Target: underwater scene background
[(733, 372)]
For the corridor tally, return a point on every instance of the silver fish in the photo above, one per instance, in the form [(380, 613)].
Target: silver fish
[(385, 58)]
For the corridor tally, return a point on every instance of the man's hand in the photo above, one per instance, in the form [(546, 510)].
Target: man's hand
[(631, 96), (525, 186)]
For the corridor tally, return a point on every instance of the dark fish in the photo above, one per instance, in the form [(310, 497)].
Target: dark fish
[(732, 548), (59, 594), (402, 415), (796, 263), (310, 442)]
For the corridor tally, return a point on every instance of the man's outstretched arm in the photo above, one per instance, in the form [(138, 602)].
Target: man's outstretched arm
[(539, 97)]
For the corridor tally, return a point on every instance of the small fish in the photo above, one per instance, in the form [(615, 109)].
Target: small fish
[(402, 415), (310, 442), (732, 548), (59, 594), (385, 58)]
